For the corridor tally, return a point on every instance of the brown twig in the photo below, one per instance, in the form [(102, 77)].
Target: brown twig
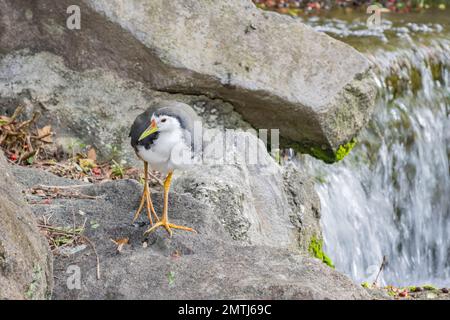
[(26, 123), (42, 186), (96, 254), (57, 193), (156, 178), (73, 239), (383, 264), (41, 137), (16, 113), (19, 140)]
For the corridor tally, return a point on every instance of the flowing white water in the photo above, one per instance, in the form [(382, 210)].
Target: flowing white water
[(391, 196)]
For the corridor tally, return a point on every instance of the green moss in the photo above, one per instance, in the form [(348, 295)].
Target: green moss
[(36, 281), (345, 149), (316, 250), (324, 153), (416, 79), (412, 288), (437, 71), (366, 285), (330, 157), (429, 287), (391, 293), (393, 82)]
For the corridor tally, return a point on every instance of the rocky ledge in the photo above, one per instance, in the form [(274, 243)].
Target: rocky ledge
[(212, 264)]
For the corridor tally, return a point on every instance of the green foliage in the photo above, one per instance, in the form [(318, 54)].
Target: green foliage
[(330, 157), (391, 293), (114, 151), (117, 169), (429, 287), (324, 155), (345, 149), (94, 225), (316, 250), (75, 146), (30, 160), (171, 277)]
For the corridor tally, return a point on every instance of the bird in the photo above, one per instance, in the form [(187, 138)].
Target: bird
[(163, 138)]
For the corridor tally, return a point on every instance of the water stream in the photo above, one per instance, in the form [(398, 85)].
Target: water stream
[(391, 196)]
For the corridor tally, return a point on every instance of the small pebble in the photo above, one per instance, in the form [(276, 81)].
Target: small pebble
[(444, 290)]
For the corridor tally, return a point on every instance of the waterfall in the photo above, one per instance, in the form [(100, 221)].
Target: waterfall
[(391, 196)]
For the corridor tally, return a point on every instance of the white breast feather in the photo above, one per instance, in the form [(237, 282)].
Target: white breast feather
[(159, 155)]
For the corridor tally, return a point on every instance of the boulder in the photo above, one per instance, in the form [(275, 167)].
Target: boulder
[(25, 260), (94, 107), (276, 71), (265, 204), (209, 265)]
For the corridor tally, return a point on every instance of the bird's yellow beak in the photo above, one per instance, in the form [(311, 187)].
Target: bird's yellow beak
[(150, 130)]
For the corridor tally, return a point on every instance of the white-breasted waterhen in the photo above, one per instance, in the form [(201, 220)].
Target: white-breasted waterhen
[(163, 137)]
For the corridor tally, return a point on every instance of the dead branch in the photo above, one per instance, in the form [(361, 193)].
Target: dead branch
[(58, 192), (383, 265)]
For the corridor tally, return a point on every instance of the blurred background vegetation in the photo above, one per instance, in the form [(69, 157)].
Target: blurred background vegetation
[(296, 7)]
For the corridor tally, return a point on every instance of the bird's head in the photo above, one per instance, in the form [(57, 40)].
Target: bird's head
[(160, 123)]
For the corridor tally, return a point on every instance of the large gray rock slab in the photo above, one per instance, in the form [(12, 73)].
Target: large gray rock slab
[(25, 260), (265, 204), (277, 72), (207, 265), (95, 107)]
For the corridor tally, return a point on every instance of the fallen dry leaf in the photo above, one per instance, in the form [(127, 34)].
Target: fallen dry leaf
[(176, 254), (92, 154), (120, 243), (403, 294), (46, 133)]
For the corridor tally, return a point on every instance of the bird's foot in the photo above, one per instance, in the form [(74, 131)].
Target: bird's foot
[(168, 226), (146, 199)]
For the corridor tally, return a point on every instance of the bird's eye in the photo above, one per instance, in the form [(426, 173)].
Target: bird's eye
[(163, 120)]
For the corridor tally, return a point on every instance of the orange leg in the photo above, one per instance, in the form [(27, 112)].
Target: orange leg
[(165, 219), (146, 199)]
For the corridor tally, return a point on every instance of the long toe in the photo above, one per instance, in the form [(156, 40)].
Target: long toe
[(174, 226), (153, 228), (168, 227)]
